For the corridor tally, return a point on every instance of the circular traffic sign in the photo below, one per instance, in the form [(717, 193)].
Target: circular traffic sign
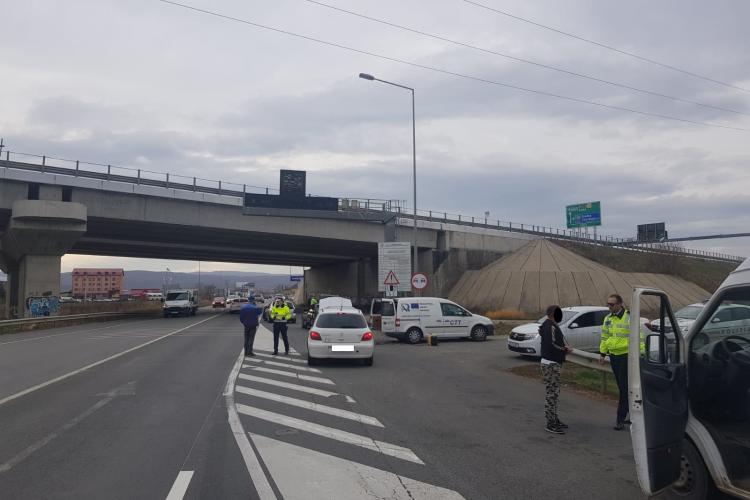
[(419, 281)]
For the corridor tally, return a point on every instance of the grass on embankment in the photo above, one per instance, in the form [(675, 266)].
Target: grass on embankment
[(577, 378)]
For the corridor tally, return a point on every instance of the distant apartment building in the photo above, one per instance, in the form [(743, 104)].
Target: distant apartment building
[(97, 283)]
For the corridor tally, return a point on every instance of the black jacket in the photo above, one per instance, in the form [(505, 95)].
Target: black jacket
[(553, 342)]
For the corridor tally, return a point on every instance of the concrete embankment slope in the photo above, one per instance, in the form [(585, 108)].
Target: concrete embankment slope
[(543, 273)]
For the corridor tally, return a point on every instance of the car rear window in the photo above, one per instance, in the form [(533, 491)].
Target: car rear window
[(341, 320)]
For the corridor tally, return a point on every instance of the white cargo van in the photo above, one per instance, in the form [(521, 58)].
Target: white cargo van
[(412, 318), (689, 396), (180, 303)]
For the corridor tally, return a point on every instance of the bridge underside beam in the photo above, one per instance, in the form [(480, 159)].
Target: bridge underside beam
[(167, 241)]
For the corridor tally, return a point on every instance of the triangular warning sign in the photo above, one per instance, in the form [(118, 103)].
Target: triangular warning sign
[(391, 279)]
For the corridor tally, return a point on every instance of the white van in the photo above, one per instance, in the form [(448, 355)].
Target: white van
[(689, 395), (412, 318), (180, 303)]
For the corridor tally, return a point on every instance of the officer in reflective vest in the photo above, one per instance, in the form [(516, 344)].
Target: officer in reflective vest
[(280, 314), (614, 343)]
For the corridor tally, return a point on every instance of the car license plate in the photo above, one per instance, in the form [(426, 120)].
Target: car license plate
[(513, 344), (342, 348)]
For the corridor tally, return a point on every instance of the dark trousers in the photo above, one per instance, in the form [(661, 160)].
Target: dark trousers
[(280, 328), (620, 369), (250, 338)]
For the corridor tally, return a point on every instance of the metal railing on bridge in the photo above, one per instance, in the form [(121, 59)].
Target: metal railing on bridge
[(399, 208)]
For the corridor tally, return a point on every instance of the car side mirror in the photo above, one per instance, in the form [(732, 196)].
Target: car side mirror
[(573, 325)]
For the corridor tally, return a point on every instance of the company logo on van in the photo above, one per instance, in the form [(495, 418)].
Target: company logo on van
[(405, 307)]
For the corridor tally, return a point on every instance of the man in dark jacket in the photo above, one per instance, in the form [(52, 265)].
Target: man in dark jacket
[(249, 315), (553, 353)]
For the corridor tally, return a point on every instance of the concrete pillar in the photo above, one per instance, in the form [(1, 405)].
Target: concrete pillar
[(40, 232)]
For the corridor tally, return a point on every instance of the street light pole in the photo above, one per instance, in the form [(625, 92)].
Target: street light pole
[(365, 76)]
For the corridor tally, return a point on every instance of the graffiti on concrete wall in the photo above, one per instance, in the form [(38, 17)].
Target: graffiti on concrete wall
[(43, 306)]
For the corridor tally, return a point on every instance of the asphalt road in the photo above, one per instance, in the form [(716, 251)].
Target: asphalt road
[(150, 409)]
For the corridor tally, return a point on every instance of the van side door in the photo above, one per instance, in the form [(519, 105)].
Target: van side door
[(455, 320)]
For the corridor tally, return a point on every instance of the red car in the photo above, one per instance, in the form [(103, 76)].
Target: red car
[(220, 302)]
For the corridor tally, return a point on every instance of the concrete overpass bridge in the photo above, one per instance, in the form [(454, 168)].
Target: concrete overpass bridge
[(48, 209)]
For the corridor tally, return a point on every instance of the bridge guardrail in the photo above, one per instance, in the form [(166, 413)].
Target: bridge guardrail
[(196, 184), (591, 360)]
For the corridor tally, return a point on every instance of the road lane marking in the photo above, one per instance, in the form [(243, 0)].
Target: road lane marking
[(125, 390), (350, 415), (392, 450), (289, 360), (180, 486), (319, 475), (97, 363), (309, 378), (269, 350), (63, 334), (294, 387), (252, 463), (283, 365)]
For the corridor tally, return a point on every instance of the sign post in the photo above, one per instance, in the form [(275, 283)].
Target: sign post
[(394, 267)]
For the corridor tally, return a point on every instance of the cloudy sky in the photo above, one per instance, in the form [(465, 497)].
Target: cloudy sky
[(150, 85)]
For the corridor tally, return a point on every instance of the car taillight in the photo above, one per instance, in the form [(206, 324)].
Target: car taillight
[(315, 335), (398, 322), (367, 336)]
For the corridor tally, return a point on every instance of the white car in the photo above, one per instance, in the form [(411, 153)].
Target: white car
[(237, 304), (581, 325), (687, 315), (340, 333)]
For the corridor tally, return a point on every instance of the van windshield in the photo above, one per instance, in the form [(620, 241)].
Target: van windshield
[(177, 296)]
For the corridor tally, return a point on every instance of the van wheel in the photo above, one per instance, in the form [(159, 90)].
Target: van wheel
[(479, 333), (694, 482), (414, 335)]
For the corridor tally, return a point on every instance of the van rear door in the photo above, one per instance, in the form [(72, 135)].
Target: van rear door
[(657, 382), (383, 315)]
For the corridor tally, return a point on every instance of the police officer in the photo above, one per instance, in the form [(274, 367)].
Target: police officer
[(614, 343), (280, 314)]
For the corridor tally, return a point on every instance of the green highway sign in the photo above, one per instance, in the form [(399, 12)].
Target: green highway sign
[(584, 215)]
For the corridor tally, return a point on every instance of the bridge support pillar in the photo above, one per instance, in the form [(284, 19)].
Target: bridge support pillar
[(40, 232)]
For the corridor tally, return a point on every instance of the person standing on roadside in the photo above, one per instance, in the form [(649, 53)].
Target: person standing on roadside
[(249, 315), (553, 353), (280, 314), (614, 343)]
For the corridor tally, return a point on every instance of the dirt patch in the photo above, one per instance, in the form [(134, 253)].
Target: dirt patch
[(578, 379)]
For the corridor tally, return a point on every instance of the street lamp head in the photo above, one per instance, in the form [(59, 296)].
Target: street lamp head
[(366, 76)]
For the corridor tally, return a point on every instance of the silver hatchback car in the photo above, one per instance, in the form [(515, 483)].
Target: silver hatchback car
[(340, 333)]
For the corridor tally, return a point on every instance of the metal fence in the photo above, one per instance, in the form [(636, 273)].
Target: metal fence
[(114, 173)]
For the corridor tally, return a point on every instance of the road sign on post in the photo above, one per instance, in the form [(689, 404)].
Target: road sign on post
[(394, 266), (419, 281), (584, 215)]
